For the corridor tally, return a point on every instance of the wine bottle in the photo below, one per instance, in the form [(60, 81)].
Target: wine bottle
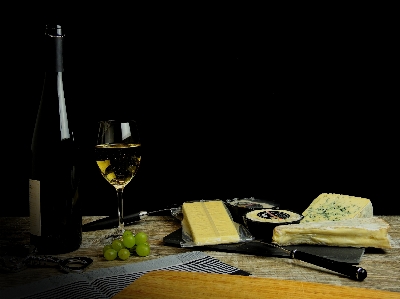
[(55, 208)]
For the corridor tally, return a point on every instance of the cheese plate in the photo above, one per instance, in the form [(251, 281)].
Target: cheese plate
[(351, 255)]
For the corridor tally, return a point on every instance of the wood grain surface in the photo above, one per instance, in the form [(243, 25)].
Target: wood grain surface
[(192, 285), (383, 266)]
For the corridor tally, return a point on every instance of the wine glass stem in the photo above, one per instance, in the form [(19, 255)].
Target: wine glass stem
[(120, 210)]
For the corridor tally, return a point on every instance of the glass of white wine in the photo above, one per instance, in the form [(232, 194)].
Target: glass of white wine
[(118, 155)]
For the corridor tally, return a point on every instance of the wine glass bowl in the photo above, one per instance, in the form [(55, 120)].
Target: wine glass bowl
[(118, 155)]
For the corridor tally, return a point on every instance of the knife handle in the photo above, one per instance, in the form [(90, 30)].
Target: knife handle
[(111, 222), (354, 272)]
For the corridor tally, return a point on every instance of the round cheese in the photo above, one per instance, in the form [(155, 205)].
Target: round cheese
[(273, 216)]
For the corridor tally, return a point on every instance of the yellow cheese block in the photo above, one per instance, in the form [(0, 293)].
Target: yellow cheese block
[(333, 207), (357, 232), (209, 222)]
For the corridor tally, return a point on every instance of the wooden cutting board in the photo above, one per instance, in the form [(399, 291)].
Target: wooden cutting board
[(188, 285)]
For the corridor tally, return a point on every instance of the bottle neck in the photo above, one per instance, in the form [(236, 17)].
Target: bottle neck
[(54, 38), (54, 30)]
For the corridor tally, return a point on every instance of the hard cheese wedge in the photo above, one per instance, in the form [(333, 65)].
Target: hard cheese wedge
[(333, 207), (358, 232), (208, 222)]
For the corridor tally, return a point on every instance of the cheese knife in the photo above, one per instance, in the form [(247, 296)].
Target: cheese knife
[(112, 222), (353, 272)]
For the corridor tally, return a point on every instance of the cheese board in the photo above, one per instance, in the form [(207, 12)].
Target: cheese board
[(188, 285), (351, 255)]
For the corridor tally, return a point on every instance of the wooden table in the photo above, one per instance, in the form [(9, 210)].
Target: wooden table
[(383, 266)]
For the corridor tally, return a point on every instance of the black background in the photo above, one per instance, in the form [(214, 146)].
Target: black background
[(276, 112)]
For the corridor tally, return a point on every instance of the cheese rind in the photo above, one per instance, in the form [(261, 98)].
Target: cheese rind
[(359, 232), (209, 222), (334, 207)]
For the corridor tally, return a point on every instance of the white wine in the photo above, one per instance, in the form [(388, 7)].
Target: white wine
[(118, 163), (55, 207)]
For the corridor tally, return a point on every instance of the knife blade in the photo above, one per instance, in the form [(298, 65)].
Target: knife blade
[(112, 222)]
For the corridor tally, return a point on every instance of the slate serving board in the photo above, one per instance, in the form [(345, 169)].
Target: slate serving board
[(351, 255)]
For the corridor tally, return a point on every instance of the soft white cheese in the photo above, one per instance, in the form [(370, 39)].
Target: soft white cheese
[(358, 232)]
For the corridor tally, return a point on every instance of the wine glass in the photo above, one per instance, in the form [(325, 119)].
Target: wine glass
[(118, 155)]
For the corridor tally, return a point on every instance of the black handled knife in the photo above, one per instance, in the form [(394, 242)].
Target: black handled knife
[(353, 272), (112, 222)]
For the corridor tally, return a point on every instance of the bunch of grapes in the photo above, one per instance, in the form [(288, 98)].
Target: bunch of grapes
[(129, 243)]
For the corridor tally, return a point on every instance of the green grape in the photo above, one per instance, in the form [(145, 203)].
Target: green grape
[(110, 254), (117, 245), (142, 250), (127, 245), (140, 238), (126, 233), (107, 247), (129, 241), (123, 254)]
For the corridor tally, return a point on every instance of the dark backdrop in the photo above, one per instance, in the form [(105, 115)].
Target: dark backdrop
[(274, 113)]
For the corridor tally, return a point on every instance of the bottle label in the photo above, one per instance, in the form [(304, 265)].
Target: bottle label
[(34, 207)]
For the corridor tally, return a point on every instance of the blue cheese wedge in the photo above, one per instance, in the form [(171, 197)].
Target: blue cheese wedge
[(334, 207), (357, 232), (209, 222)]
